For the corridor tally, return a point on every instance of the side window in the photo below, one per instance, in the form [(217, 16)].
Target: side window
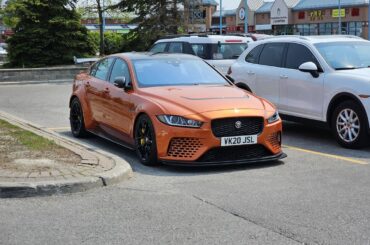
[(199, 50), (252, 56), (120, 69), (93, 69), (175, 48), (297, 55), (158, 48), (272, 54), (103, 69)]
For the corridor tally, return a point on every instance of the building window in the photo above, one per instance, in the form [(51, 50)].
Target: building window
[(301, 15), (263, 16), (355, 12)]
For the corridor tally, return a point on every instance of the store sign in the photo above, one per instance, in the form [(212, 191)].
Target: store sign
[(241, 13), (196, 12), (317, 15), (279, 13), (335, 13)]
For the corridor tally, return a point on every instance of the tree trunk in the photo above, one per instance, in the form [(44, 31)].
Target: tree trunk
[(101, 31)]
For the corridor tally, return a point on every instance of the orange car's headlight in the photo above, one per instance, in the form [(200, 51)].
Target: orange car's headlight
[(179, 121), (274, 118)]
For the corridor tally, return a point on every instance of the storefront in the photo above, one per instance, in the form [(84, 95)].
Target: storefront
[(282, 20), (323, 18)]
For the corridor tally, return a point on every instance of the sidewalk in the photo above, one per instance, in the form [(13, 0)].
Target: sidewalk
[(76, 168)]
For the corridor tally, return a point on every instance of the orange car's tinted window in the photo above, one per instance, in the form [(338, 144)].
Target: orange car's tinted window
[(175, 71), (120, 69), (103, 69)]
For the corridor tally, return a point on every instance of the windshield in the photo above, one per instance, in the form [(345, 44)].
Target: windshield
[(175, 72), (346, 55)]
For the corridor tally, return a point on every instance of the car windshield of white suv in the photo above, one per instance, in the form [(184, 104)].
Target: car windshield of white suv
[(176, 72), (346, 55)]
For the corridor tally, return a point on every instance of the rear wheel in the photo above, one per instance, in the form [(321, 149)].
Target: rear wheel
[(349, 125), (145, 141), (76, 119)]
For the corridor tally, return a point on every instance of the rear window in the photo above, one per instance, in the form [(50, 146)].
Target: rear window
[(228, 51)]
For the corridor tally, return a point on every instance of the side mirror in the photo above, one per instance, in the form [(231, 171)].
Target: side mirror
[(311, 68), (119, 82)]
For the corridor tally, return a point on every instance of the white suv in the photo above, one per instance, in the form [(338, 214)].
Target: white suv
[(318, 78), (219, 51)]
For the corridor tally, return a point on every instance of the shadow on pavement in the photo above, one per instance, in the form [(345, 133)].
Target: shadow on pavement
[(163, 170), (318, 139)]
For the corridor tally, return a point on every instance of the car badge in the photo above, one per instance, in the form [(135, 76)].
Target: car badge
[(238, 124)]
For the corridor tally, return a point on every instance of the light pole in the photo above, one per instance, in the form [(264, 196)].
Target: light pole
[(246, 16), (220, 17), (339, 19), (103, 14), (368, 22)]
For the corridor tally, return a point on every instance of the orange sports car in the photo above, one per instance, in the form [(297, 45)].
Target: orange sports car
[(174, 109)]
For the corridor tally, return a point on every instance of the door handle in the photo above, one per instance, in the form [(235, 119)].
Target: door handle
[(87, 84), (250, 73), (106, 90), (283, 76)]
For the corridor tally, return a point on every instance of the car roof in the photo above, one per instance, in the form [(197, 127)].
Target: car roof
[(155, 56), (206, 39), (314, 39)]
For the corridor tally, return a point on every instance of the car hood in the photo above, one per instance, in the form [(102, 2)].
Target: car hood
[(188, 100), (362, 72)]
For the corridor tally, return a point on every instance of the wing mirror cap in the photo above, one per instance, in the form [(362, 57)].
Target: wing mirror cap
[(311, 68), (119, 82)]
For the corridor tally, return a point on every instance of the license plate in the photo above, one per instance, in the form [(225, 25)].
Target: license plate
[(239, 140)]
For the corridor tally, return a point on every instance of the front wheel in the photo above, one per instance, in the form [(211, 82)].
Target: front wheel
[(145, 141), (349, 125), (76, 119)]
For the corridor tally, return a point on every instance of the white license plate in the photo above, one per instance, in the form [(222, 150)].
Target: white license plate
[(239, 140)]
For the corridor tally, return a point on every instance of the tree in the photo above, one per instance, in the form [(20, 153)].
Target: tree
[(46, 32), (156, 18)]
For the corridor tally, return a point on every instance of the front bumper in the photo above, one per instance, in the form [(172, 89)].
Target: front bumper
[(226, 163)]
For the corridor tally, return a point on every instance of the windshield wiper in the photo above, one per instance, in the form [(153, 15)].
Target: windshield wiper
[(346, 68)]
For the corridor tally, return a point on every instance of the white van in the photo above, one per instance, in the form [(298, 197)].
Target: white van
[(219, 51)]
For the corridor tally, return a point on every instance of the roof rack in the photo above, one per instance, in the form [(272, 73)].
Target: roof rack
[(185, 35)]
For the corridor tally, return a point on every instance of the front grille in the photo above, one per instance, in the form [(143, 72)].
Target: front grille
[(183, 147), (234, 153), (227, 126), (275, 140)]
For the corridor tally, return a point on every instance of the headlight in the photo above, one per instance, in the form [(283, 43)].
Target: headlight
[(179, 121), (274, 118)]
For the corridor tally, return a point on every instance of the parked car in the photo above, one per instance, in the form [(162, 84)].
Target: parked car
[(219, 51), (318, 78), (3, 51), (175, 109)]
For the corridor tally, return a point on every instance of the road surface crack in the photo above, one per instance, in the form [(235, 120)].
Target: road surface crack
[(285, 234)]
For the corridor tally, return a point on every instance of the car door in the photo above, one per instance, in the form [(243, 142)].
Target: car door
[(268, 70), (120, 106), (95, 88), (301, 94)]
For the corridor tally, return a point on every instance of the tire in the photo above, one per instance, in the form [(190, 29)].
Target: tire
[(349, 125), (76, 119), (145, 141)]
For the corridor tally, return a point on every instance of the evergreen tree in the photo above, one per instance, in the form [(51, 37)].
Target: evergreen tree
[(156, 18), (46, 33)]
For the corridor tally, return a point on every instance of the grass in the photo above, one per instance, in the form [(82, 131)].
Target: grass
[(26, 138)]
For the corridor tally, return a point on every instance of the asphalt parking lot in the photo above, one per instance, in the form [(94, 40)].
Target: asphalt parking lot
[(320, 194)]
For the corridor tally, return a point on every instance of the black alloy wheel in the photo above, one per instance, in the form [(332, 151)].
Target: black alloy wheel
[(349, 125), (76, 119), (145, 142)]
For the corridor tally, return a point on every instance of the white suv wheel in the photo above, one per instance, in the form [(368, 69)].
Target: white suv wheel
[(348, 125)]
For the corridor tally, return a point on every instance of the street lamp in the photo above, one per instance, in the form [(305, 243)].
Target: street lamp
[(220, 17), (246, 16), (339, 19)]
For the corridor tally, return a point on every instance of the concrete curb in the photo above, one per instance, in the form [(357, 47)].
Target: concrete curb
[(37, 82), (121, 170)]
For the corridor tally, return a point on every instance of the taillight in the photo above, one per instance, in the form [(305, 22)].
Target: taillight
[(229, 71)]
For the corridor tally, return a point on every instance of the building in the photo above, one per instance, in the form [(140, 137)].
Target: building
[(322, 17), (263, 18), (228, 21), (241, 11), (198, 15)]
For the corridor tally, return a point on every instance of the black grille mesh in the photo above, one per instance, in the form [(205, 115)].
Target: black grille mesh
[(234, 153), (226, 126)]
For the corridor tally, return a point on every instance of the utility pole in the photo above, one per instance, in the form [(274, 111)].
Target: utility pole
[(340, 18), (368, 22), (246, 16), (220, 17)]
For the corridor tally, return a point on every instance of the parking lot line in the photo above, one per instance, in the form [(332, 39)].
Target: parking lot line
[(347, 159)]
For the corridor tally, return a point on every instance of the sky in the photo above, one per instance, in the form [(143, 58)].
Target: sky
[(229, 4)]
